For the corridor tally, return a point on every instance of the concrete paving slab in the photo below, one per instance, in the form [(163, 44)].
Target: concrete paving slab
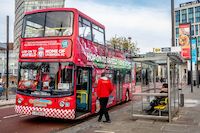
[(7, 102), (187, 120), (143, 130)]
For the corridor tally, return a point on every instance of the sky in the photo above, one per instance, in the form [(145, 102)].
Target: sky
[(147, 22)]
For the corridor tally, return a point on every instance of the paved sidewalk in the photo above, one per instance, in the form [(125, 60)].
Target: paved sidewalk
[(10, 101), (187, 121)]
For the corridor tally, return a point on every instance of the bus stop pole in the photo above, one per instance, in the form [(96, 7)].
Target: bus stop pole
[(191, 69), (7, 59), (169, 88), (197, 67), (154, 78), (132, 91)]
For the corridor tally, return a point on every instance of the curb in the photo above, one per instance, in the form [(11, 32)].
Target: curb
[(7, 102), (7, 105)]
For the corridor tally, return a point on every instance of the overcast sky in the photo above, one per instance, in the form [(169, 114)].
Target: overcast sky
[(148, 22)]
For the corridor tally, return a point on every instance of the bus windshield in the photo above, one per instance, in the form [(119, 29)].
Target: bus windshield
[(47, 24), (46, 79)]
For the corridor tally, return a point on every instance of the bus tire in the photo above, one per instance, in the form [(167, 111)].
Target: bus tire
[(127, 96)]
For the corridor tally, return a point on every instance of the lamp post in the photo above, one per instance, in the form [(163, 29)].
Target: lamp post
[(172, 19), (7, 59), (197, 66), (168, 61)]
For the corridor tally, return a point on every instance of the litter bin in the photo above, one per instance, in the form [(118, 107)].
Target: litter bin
[(181, 98)]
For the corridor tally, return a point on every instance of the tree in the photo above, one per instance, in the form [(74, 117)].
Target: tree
[(125, 44)]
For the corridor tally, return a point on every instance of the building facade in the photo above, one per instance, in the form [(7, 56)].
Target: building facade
[(13, 64), (188, 13), (22, 6)]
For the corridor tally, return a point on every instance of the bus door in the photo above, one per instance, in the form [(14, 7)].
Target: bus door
[(118, 86), (83, 89)]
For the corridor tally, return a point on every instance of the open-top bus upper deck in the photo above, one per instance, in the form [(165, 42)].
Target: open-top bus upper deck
[(52, 33), (65, 34)]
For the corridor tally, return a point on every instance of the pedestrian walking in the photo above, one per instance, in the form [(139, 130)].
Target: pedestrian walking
[(104, 89)]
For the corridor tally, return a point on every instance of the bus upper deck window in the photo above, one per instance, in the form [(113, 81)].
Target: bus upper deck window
[(58, 24)]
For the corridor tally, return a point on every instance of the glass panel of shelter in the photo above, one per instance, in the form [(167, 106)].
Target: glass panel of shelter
[(174, 78)]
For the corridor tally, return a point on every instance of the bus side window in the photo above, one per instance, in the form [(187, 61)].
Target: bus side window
[(82, 79), (115, 77), (98, 34), (128, 77), (85, 30)]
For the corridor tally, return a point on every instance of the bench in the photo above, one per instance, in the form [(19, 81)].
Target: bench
[(163, 106)]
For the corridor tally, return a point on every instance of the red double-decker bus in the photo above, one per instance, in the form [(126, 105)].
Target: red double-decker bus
[(62, 55)]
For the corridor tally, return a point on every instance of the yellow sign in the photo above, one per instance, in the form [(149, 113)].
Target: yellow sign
[(157, 50)]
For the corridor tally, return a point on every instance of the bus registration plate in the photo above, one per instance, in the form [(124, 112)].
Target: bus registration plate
[(38, 113)]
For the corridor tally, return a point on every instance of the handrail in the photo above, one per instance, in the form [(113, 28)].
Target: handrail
[(149, 94)]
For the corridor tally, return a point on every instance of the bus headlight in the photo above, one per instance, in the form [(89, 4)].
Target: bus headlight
[(62, 104), (67, 104), (19, 100)]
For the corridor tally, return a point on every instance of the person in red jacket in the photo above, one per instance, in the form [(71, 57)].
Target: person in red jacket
[(104, 89)]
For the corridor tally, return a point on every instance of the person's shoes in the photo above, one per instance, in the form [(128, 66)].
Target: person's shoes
[(107, 121), (99, 120)]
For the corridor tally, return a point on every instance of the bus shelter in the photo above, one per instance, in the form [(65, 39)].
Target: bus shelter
[(152, 86)]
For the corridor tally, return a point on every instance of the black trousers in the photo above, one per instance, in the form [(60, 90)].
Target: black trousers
[(103, 109)]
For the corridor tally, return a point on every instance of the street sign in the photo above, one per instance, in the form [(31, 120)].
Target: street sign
[(156, 50), (166, 50), (194, 50)]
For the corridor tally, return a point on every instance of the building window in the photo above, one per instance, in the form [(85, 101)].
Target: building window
[(177, 42), (198, 41), (196, 29), (190, 15), (184, 15), (198, 52), (177, 17), (199, 27), (192, 30), (15, 71), (177, 32), (197, 14)]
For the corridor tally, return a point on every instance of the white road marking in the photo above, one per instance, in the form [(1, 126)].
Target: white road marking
[(99, 131), (10, 116), (23, 116), (6, 106)]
